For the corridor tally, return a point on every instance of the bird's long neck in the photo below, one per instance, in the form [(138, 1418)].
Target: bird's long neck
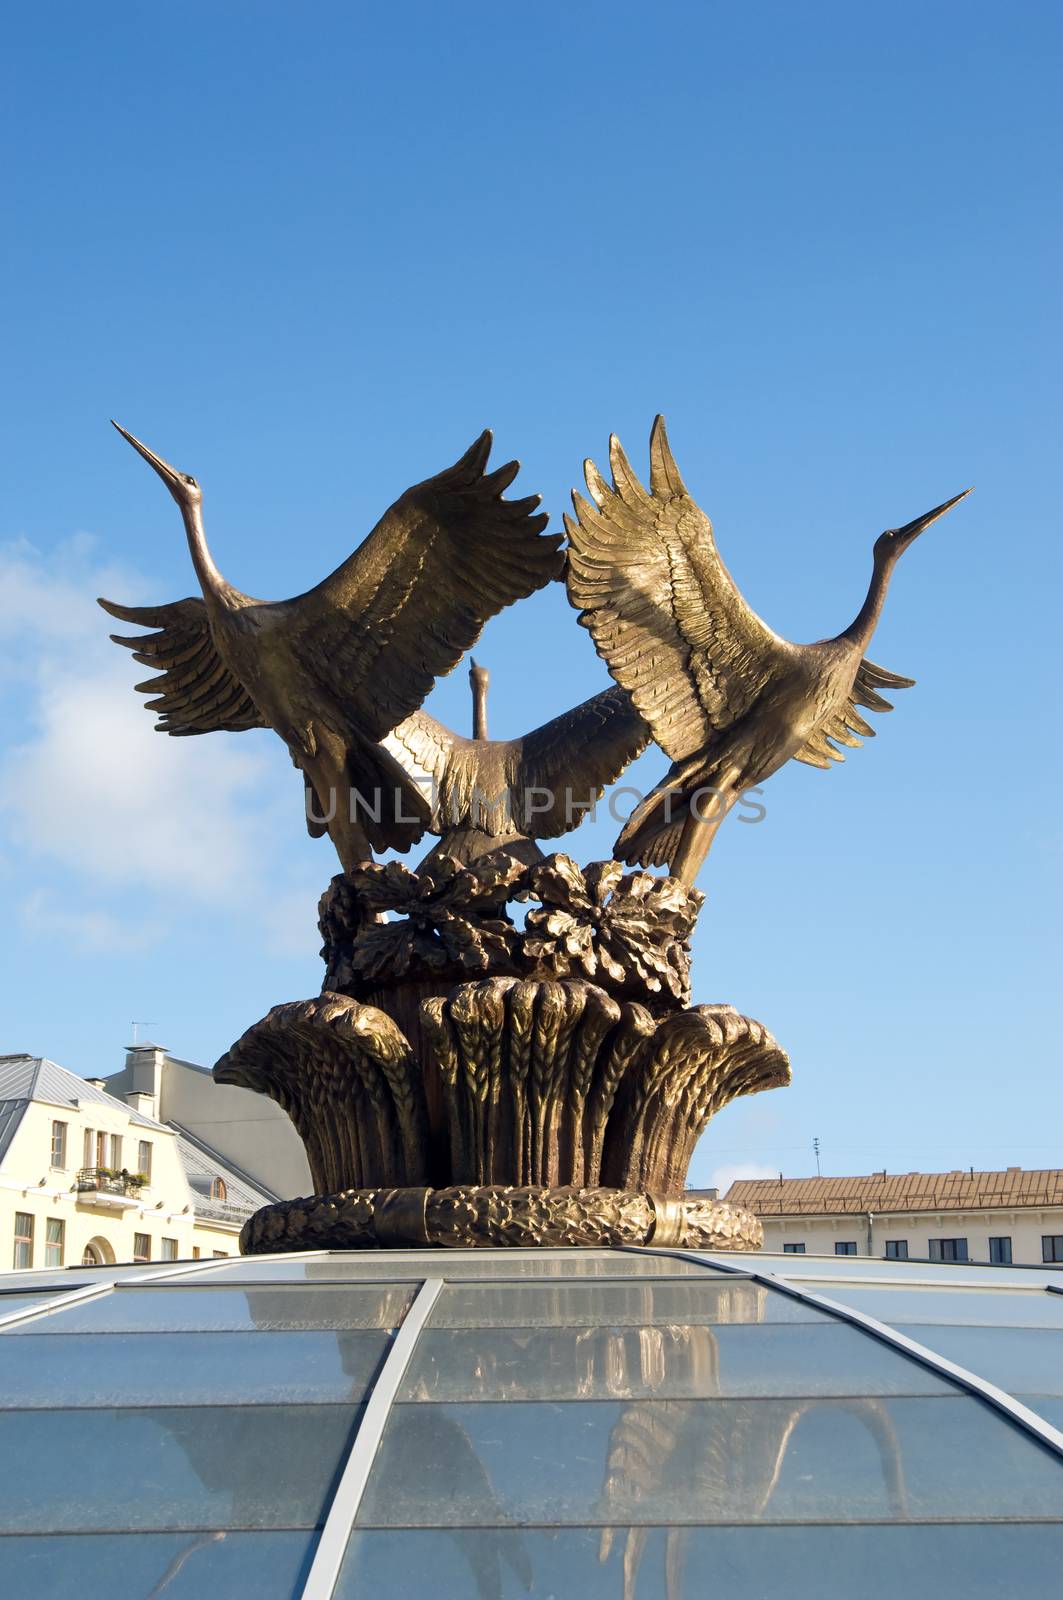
[(865, 622), (479, 703), (213, 585)]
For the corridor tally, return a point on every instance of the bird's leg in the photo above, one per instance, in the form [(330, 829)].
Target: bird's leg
[(332, 789), (708, 807)]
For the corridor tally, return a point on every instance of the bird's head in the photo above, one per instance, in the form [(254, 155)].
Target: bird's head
[(894, 542), (182, 485)]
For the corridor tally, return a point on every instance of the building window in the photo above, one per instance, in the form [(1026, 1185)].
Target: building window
[(845, 1247), (58, 1144), (53, 1242), (793, 1249), (220, 1254), (116, 1152), (101, 1149), (1000, 1252), (141, 1247), (23, 1240), (195, 1252), (948, 1250), (169, 1249), (217, 1189), (1052, 1247), (896, 1249), (144, 1159), (88, 1153)]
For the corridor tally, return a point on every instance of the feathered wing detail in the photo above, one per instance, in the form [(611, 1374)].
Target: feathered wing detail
[(414, 596), (843, 726), (573, 757), (423, 747), (194, 691), (538, 786), (664, 612)]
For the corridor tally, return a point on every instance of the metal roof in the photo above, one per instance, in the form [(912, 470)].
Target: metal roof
[(487, 1424), (24, 1079), (201, 1161), (901, 1191)]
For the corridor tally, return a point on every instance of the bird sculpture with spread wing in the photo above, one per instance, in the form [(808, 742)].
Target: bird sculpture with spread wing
[(335, 669), (506, 793), (726, 698)]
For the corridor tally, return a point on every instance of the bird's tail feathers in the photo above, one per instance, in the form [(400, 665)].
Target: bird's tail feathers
[(650, 837)]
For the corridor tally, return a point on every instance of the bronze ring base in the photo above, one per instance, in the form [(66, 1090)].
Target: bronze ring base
[(373, 1219)]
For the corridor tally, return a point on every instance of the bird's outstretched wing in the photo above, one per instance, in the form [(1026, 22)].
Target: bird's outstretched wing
[(414, 596), (664, 612), (566, 764), (842, 727), (422, 747), (195, 691)]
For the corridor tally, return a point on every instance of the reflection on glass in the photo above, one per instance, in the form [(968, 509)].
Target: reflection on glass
[(1003, 1308), (194, 1369), (196, 1467), (342, 1267), (628, 1363), (703, 1300), (769, 1563), (156, 1566), (218, 1310), (707, 1461)]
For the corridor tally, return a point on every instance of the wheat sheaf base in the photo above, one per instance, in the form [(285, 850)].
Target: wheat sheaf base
[(497, 1215)]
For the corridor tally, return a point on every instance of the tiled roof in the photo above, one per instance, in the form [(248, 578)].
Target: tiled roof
[(27, 1078), (902, 1191)]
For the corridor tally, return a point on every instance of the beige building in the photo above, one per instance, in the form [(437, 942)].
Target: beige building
[(87, 1176), (999, 1217)]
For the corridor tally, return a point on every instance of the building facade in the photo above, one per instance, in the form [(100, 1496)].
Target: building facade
[(89, 1178), (1010, 1217)]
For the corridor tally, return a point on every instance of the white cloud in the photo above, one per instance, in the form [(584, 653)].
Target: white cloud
[(89, 931), (722, 1177), (92, 787)]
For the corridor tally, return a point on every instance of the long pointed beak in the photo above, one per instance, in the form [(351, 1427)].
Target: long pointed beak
[(169, 475), (910, 529)]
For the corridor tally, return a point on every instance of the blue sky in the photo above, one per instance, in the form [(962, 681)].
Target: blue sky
[(307, 253)]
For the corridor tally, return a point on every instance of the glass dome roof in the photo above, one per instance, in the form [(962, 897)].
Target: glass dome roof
[(494, 1424)]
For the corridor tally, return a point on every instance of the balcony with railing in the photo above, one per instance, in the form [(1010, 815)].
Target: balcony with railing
[(102, 1186)]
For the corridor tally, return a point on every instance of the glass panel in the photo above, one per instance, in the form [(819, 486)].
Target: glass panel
[(708, 1461), (10, 1303), (1002, 1308), (920, 1563), (198, 1467), (172, 1566), (193, 1369), (663, 1362), (702, 1300), (1051, 1409), (229, 1310), (342, 1266), (1029, 1360), (868, 1268)]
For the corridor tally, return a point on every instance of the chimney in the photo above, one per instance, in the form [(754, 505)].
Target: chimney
[(144, 1103), (144, 1064)]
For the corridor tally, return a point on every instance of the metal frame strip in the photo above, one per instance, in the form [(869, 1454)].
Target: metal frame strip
[(332, 1545), (981, 1388)]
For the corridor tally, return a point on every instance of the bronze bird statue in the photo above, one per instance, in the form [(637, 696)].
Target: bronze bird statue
[(333, 670), (506, 793), (726, 698)]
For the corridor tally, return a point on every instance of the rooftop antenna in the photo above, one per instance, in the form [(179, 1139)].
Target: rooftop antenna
[(815, 1146)]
